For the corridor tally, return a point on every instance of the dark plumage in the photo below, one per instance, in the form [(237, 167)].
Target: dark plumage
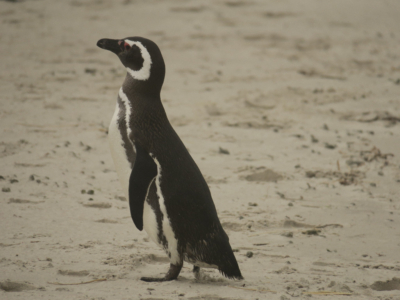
[(164, 175)]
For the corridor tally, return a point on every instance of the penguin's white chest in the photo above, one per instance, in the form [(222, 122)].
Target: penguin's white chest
[(118, 152), (123, 166)]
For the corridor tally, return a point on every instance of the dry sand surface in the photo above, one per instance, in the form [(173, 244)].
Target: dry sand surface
[(290, 108)]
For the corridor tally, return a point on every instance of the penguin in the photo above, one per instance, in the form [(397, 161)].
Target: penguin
[(168, 196)]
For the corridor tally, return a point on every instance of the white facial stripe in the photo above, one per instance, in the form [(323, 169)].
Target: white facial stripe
[(166, 225), (144, 72)]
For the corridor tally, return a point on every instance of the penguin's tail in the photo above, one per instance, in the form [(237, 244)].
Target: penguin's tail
[(226, 260), (232, 273), (229, 267)]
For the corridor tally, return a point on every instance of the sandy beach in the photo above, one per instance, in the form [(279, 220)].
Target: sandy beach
[(291, 109)]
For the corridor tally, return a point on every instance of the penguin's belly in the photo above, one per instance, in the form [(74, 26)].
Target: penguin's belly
[(124, 169), (150, 224), (159, 229), (156, 221)]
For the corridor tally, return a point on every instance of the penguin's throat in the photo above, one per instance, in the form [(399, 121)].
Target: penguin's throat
[(143, 74), (145, 88)]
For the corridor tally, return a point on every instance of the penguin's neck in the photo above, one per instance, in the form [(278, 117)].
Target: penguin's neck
[(144, 100), (142, 88)]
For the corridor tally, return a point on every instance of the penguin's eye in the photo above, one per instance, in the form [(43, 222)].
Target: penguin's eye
[(127, 46)]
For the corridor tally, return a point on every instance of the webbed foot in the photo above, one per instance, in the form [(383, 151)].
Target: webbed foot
[(172, 274)]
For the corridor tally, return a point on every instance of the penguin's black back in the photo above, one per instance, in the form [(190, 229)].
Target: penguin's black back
[(187, 197), (185, 194)]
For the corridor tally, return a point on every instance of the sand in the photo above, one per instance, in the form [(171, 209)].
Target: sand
[(290, 108)]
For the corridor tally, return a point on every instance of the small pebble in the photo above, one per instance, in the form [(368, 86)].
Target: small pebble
[(330, 146), (6, 189), (311, 232), (249, 254), (288, 234), (121, 198), (223, 151), (90, 71), (314, 139)]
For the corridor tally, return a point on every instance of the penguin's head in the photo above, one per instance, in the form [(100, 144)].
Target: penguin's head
[(141, 57)]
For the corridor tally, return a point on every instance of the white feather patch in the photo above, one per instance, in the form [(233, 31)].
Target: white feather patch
[(166, 225), (128, 109), (144, 72), (118, 153), (150, 219), (123, 166)]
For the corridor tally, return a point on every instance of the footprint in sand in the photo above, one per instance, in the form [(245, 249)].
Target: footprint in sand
[(98, 205), (264, 176), (12, 286), (108, 221), (389, 285), (73, 273)]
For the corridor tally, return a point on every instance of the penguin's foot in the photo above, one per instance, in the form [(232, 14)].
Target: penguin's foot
[(196, 272), (172, 274)]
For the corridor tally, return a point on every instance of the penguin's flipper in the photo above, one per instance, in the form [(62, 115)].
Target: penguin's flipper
[(143, 173)]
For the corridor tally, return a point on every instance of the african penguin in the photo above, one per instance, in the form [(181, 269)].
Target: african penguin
[(168, 195)]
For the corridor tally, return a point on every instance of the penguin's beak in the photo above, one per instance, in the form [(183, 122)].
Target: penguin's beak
[(111, 45)]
